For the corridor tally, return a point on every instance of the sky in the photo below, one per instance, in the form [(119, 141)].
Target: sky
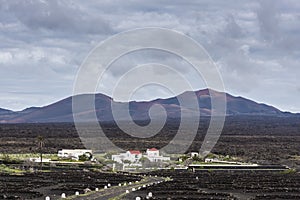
[(255, 45)]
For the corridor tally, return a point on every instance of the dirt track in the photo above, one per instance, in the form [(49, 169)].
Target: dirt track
[(116, 191)]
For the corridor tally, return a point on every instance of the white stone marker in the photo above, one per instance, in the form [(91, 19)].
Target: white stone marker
[(47, 198), (97, 189), (133, 189), (120, 184), (105, 187), (127, 191), (109, 185), (130, 183), (63, 195), (76, 193), (150, 194), (138, 198)]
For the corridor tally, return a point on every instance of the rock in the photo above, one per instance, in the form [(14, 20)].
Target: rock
[(86, 190)]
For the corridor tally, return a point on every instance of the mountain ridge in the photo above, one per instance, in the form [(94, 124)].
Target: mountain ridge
[(61, 111)]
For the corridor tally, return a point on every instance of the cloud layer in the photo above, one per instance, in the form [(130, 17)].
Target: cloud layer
[(254, 43)]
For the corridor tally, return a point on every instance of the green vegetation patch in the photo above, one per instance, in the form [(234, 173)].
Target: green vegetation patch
[(9, 170)]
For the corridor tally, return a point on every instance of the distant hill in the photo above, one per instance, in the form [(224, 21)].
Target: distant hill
[(6, 115), (9, 115), (61, 111), (28, 110), (5, 111)]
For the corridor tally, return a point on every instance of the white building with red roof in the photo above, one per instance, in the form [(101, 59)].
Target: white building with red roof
[(153, 156), (153, 152), (133, 156)]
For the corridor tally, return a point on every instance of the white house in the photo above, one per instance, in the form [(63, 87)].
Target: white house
[(133, 156), (119, 158), (74, 153), (153, 156), (153, 152)]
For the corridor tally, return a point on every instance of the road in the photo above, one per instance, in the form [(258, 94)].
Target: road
[(116, 191)]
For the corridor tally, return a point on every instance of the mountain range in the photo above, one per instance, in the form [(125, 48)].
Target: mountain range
[(61, 111)]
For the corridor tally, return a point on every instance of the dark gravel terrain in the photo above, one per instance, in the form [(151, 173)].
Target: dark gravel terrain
[(258, 139), (224, 185), (263, 140), (38, 185)]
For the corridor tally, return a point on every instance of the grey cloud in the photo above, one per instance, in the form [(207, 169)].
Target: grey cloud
[(268, 20), (255, 43), (133, 59), (57, 16), (281, 33), (232, 29)]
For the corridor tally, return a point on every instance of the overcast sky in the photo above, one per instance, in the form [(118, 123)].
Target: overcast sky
[(255, 44)]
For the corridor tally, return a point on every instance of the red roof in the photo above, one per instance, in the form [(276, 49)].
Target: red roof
[(135, 152), (152, 149)]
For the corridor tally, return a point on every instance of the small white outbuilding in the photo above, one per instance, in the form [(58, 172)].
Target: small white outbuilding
[(74, 153)]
